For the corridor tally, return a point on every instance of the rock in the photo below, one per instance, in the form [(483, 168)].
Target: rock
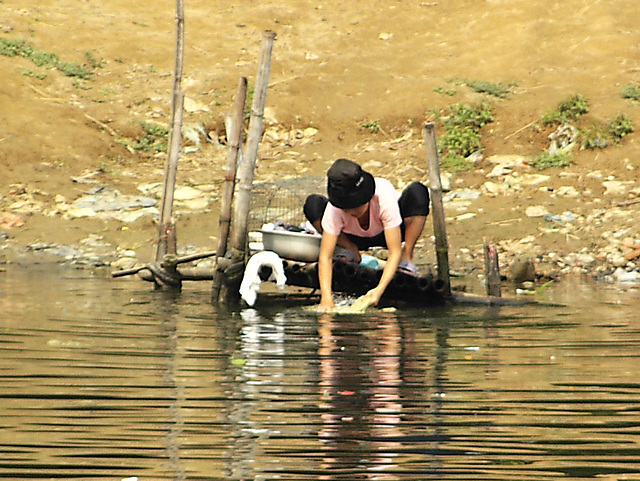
[(196, 204), (563, 139), (499, 171), (567, 191), (623, 276), (187, 193), (616, 187), (535, 211), (522, 270), (124, 263), (10, 221), (192, 106), (108, 199), (508, 160), (494, 188), (534, 179)]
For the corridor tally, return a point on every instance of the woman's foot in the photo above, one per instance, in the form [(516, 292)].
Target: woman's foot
[(408, 267)]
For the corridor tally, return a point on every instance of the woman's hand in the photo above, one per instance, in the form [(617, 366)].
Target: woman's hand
[(374, 295), (328, 306)]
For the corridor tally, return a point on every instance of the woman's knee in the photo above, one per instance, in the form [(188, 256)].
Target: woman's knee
[(414, 200), (314, 207)]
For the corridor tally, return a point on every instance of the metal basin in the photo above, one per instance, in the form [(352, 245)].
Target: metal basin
[(296, 246)]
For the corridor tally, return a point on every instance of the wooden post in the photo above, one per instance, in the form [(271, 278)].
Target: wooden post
[(247, 167), (435, 187), (235, 141), (167, 240), (492, 270)]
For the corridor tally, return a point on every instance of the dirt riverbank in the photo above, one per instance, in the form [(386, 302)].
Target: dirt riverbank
[(345, 82)]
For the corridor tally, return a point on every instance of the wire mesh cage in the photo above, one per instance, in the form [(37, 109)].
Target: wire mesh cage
[(281, 201)]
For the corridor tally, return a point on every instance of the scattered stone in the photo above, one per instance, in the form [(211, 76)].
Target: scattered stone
[(510, 161), (108, 199), (563, 139), (616, 187), (535, 211), (626, 276), (10, 221), (534, 179), (522, 269), (187, 193), (567, 191)]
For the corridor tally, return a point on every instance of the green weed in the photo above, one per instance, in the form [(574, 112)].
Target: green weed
[(620, 126), (598, 135), (631, 91), (93, 62), (460, 140), (462, 124), (32, 74), (466, 115), (14, 48), (595, 135), (498, 90), (71, 69), (446, 91), (545, 160), (455, 163), (372, 126), (567, 111), (154, 139)]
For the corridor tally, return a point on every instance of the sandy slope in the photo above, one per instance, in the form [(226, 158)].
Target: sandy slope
[(337, 66)]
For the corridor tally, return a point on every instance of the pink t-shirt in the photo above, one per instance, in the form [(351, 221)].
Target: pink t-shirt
[(384, 213)]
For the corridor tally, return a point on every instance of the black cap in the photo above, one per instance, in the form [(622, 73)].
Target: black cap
[(348, 186)]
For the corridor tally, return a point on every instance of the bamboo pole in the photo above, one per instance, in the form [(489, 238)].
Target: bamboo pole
[(492, 270), (247, 167), (167, 239), (235, 141), (435, 187)]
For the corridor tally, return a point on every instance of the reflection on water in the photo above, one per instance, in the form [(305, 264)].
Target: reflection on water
[(104, 379)]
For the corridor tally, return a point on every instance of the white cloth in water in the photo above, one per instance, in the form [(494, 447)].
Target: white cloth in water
[(251, 280)]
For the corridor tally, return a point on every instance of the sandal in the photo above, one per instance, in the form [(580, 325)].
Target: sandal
[(408, 267)]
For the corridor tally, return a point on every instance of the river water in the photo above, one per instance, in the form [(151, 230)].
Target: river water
[(104, 379)]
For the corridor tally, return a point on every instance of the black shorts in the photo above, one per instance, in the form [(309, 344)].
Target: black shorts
[(414, 201)]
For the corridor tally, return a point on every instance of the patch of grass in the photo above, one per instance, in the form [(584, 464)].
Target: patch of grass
[(498, 90), (567, 111), (474, 116), (32, 74), (462, 124), (455, 163), (446, 91), (598, 135), (460, 141), (154, 139), (594, 135), (14, 48), (620, 127), (372, 126), (44, 59), (631, 91), (71, 69), (10, 47), (92, 61), (545, 160)]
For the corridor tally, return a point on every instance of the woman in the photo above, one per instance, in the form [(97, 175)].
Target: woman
[(362, 212)]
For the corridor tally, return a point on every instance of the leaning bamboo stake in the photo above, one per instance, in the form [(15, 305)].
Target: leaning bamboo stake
[(247, 167), (235, 141), (435, 186), (167, 241), (492, 270)]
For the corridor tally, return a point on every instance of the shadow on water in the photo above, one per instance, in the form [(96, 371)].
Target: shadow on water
[(104, 379)]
